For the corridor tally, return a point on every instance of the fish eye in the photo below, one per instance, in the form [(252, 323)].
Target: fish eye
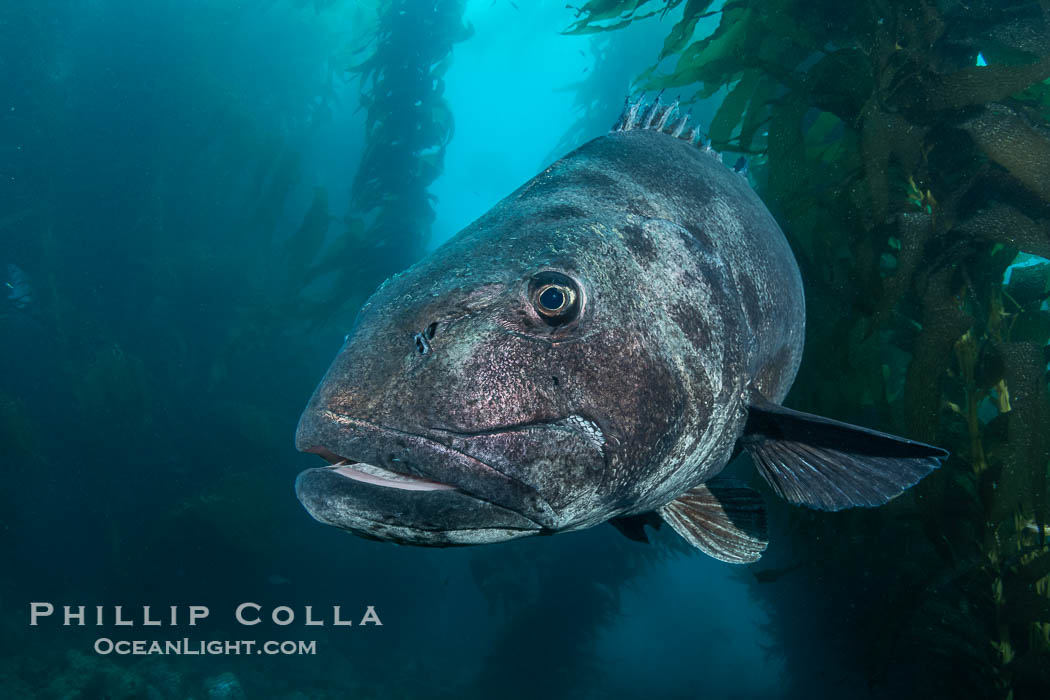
[(555, 297)]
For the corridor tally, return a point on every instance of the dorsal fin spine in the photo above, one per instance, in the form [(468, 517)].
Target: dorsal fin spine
[(632, 113), (647, 118), (665, 114), (655, 117), (679, 126)]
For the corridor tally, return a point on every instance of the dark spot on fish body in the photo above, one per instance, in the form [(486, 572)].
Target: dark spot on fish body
[(688, 319), (558, 212), (710, 274), (698, 239), (634, 384), (588, 175), (655, 435), (639, 243), (640, 207)]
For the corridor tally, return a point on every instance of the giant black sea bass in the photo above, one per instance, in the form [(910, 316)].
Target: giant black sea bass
[(596, 347)]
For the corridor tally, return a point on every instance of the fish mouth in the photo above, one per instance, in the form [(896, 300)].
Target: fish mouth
[(376, 475), (388, 484)]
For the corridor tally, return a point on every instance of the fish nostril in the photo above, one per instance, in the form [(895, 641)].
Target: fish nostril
[(423, 339), (422, 346)]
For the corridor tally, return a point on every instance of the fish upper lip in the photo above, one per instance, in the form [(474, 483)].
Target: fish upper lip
[(329, 454)]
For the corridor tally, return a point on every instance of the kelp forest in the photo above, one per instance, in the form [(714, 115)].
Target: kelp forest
[(904, 148), (197, 197)]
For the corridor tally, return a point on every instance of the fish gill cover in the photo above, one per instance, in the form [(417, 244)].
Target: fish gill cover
[(197, 207)]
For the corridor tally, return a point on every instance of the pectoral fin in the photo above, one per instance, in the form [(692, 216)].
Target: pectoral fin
[(722, 518), (825, 464)]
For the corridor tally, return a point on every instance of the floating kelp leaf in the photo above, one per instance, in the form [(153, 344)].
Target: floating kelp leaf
[(1007, 225), (974, 85), (596, 14), (757, 111), (581, 28), (1021, 35), (707, 61), (1021, 148), (993, 52), (732, 107), (683, 30)]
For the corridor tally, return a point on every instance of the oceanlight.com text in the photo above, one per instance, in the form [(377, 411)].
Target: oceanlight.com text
[(189, 647)]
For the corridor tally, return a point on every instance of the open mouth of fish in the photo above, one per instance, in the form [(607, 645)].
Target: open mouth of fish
[(392, 485), (378, 476)]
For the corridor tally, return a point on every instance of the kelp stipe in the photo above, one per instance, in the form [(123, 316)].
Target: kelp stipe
[(407, 128), (409, 124)]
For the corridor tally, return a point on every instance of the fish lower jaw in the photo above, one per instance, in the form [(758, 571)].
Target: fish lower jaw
[(378, 476)]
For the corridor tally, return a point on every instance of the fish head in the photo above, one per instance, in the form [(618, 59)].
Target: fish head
[(502, 387)]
